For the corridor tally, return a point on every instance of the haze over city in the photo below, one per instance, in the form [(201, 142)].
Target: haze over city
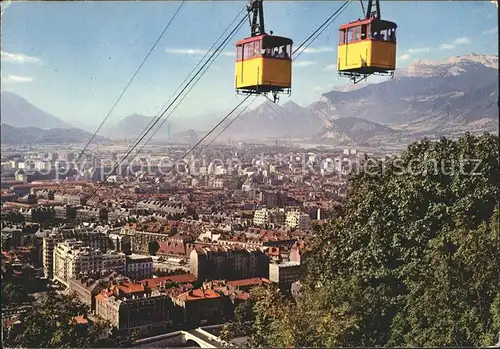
[(74, 59)]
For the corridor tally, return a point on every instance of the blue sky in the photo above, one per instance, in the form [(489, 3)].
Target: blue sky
[(73, 59)]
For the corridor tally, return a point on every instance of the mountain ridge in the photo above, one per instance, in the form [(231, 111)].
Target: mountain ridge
[(19, 112), (34, 135)]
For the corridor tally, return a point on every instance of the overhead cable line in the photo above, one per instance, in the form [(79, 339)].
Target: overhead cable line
[(311, 39), (170, 105), (180, 86), (130, 81), (313, 36), (192, 86), (229, 124), (306, 41), (205, 137)]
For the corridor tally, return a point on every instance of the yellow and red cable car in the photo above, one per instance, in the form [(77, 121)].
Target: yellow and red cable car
[(263, 61), (367, 46)]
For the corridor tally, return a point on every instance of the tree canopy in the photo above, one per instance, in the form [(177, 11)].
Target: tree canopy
[(414, 260), (52, 324)]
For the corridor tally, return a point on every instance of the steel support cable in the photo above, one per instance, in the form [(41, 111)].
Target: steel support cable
[(163, 113), (204, 137), (173, 110), (131, 79), (325, 26), (321, 26), (229, 124), (312, 38), (327, 22), (183, 82)]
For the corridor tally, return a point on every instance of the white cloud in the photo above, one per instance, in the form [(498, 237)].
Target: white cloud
[(18, 58), (462, 41), (301, 64), (185, 51), (404, 57), (16, 78), (446, 47), (419, 50), (331, 67), (457, 42), (196, 52), (493, 30), (320, 49)]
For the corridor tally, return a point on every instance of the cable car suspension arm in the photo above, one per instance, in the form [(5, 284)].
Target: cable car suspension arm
[(373, 14), (256, 17)]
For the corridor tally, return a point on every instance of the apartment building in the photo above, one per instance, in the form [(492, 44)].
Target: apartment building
[(287, 272), (48, 246), (72, 257), (266, 216), (93, 239), (298, 220), (131, 307), (139, 267), (228, 262)]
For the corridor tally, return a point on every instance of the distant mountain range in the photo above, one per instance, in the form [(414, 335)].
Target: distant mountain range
[(132, 125), (272, 120), (18, 112), (429, 99), (34, 135)]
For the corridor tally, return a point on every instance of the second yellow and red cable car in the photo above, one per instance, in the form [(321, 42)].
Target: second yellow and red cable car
[(367, 46)]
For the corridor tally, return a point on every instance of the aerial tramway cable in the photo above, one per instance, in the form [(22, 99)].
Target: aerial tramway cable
[(229, 114), (189, 90), (170, 105), (312, 38), (130, 81), (180, 86), (327, 23)]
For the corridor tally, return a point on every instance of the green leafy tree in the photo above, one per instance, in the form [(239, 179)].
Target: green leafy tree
[(13, 294), (52, 324), (412, 261)]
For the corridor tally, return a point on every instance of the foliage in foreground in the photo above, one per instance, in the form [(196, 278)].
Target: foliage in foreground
[(51, 325), (414, 261)]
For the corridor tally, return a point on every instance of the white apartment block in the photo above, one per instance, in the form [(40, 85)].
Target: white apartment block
[(139, 267), (72, 257), (49, 243), (265, 216), (287, 272), (298, 220)]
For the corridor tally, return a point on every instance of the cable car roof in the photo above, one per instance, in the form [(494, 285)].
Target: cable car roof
[(381, 22), (279, 39)]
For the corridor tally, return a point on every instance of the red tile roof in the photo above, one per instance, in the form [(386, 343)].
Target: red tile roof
[(248, 282)]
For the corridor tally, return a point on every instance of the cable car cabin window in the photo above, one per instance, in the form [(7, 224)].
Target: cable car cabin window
[(248, 50), (391, 34), (363, 31), (342, 37), (283, 51), (383, 33), (357, 33), (256, 51), (239, 53), (350, 35)]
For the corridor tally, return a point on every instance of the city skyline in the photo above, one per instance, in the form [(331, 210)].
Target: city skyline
[(74, 59)]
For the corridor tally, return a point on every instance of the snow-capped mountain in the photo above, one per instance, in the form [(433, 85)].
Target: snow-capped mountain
[(458, 91)]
